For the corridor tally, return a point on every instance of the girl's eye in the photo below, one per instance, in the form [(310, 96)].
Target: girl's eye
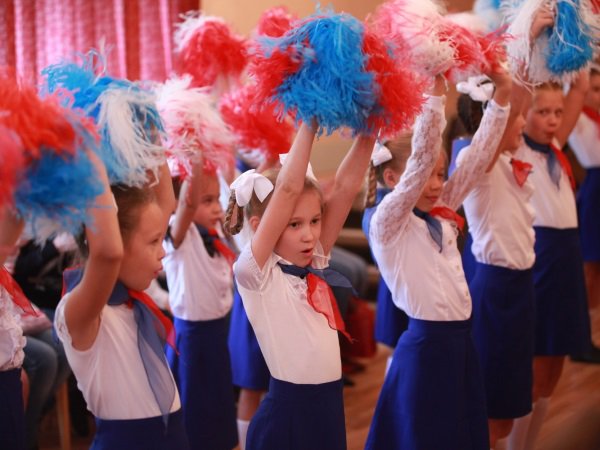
[(315, 221), (294, 224)]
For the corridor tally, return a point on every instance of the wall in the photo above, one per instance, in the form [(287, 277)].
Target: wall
[(243, 16)]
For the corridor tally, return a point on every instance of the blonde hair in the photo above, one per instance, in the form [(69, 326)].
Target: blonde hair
[(257, 208), (400, 148)]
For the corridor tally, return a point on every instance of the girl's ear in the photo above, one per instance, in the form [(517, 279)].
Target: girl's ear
[(390, 177), (253, 222)]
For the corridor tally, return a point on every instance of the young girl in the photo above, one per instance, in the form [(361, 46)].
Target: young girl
[(387, 164), (433, 394), (110, 329), (500, 220), (198, 268), (584, 143), (561, 316), (297, 330)]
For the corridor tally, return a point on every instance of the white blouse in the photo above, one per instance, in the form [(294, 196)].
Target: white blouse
[(200, 286), (296, 341), (12, 340), (585, 142), (554, 205), (426, 283), (501, 218), (110, 374)]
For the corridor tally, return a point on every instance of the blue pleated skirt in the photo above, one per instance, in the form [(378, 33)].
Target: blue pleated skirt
[(141, 434), (390, 321), (468, 260), (203, 375), (433, 395), (562, 322), (503, 334), (299, 417), (249, 368), (12, 413), (588, 209)]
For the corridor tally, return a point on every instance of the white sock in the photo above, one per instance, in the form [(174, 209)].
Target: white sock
[(540, 408), (242, 426), (501, 444), (388, 364), (518, 435)]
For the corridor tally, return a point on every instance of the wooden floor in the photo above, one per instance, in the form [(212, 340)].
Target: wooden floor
[(573, 421)]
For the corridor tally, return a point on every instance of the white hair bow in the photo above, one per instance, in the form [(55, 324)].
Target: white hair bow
[(479, 88), (381, 154), (249, 182), (309, 171)]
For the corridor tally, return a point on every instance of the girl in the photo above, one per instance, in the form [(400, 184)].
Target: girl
[(584, 142), (110, 329), (296, 330), (501, 222), (198, 268), (387, 164), (433, 394), (561, 316)]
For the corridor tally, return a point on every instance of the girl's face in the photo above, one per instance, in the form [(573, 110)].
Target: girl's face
[(592, 98), (513, 135), (143, 248), (545, 115), (299, 239), (433, 188), (209, 211)]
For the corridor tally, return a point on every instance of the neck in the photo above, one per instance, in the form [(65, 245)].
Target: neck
[(535, 145)]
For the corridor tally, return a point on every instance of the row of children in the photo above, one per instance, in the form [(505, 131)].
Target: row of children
[(114, 335)]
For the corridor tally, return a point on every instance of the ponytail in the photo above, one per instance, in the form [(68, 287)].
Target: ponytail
[(371, 194), (239, 222)]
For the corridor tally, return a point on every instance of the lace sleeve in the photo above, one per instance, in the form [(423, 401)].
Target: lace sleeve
[(478, 155), (393, 212)]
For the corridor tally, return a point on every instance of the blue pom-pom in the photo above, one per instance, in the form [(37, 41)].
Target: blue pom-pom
[(332, 84), (55, 192), (570, 46)]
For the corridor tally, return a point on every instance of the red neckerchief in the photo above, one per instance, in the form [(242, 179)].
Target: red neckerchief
[(564, 163), (221, 247), (321, 298), (15, 293), (449, 214), (521, 170), (168, 332), (592, 114)]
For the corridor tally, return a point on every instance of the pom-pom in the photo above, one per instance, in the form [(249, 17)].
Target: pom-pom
[(275, 22), (571, 41), (400, 91), (124, 113), (331, 85), (490, 13), (193, 125), (413, 27), (12, 162), (208, 50), (469, 59), (256, 128)]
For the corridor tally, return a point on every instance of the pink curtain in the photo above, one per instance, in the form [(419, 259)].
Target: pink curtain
[(137, 34)]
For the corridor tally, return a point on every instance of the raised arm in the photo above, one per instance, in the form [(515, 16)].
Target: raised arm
[(348, 180), (484, 146), (86, 300), (187, 204), (573, 106), (165, 196), (289, 186), (393, 212)]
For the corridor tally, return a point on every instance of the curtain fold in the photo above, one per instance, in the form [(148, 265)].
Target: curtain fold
[(137, 35)]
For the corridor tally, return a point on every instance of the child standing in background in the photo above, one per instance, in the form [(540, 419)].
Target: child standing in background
[(433, 394), (198, 267), (297, 330)]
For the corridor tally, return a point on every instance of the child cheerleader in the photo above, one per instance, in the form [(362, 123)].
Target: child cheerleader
[(501, 222), (433, 394), (297, 330), (384, 173), (198, 268)]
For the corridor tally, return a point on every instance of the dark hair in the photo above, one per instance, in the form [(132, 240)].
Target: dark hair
[(469, 112), (129, 200)]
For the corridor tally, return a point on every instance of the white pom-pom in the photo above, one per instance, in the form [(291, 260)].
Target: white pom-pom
[(489, 14)]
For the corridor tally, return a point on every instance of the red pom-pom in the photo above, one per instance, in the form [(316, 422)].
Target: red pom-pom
[(469, 58), (208, 50), (256, 127), (493, 46), (275, 22), (401, 90), (12, 162), (37, 123)]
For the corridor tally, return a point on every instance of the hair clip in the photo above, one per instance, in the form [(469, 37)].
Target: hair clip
[(381, 154), (479, 88)]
